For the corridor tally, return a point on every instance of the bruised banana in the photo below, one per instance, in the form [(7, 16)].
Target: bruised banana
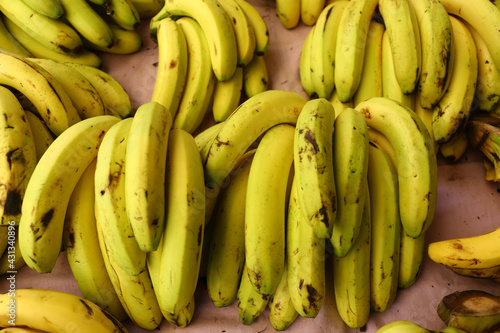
[(282, 312), (251, 304)]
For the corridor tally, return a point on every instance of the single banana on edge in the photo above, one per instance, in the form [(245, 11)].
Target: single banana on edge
[(282, 312), (305, 69), (262, 39), (227, 96), (288, 12), (251, 304), (310, 10), (123, 13), (42, 136), (125, 41), (51, 8), (255, 76)]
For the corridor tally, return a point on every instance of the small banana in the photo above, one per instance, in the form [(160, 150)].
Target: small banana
[(251, 304), (338, 105), (282, 312), (411, 256), (305, 64), (454, 149), (402, 326), (147, 8), (9, 43), (227, 96), (42, 136), (288, 12), (51, 8), (125, 41), (123, 13), (255, 76), (262, 35), (310, 10), (11, 259)]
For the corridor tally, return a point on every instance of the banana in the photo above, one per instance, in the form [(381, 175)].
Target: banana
[(226, 256), (200, 80), (145, 177), (42, 89), (402, 326), (490, 173), (262, 39), (82, 247), (288, 12), (123, 13), (87, 22), (38, 50), (183, 236), (147, 8), (57, 311), (110, 201), (18, 157), (217, 27), (350, 46), (83, 95), (18, 330), (411, 257), (255, 76), (350, 164), (483, 16), (282, 312), (390, 85), (112, 93), (454, 149), (386, 228), (426, 116), (453, 109), (265, 208), (11, 259), (437, 48), (305, 64), (313, 165), (404, 38), (49, 189), (227, 96), (251, 304), (53, 33), (478, 273), (125, 41), (351, 276), (305, 260), (42, 136), (172, 65), (245, 125), (51, 8), (322, 54), (310, 10), (9, 43), (371, 84), (415, 155), (338, 105), (205, 138), (243, 31)]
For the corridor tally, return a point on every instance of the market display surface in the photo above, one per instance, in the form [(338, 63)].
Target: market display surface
[(335, 198)]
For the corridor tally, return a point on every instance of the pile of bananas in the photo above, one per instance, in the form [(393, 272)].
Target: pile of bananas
[(73, 30)]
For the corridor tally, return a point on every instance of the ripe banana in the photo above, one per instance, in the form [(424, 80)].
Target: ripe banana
[(125, 41), (255, 76), (402, 326), (251, 304), (245, 125), (42, 136), (262, 39), (183, 236), (42, 89), (147, 8), (145, 176), (313, 165), (49, 189), (227, 96), (18, 157), (200, 80), (83, 95), (411, 257), (123, 13), (453, 109), (416, 160), (338, 105), (310, 10), (371, 77), (386, 228), (350, 164), (282, 313), (288, 12), (305, 64), (11, 259), (454, 149), (436, 34), (9, 43), (205, 138), (350, 47), (51, 8), (57, 311), (217, 27), (305, 260), (172, 65), (82, 249)]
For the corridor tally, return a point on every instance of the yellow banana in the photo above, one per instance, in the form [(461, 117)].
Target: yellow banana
[(288, 12), (310, 10), (282, 313), (125, 41), (147, 8), (255, 76), (227, 96), (50, 8), (9, 43), (123, 13), (11, 259), (454, 149), (338, 105), (42, 136), (412, 251), (305, 64), (262, 36), (251, 304)]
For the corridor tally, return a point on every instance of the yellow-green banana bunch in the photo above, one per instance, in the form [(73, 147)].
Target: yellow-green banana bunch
[(293, 12)]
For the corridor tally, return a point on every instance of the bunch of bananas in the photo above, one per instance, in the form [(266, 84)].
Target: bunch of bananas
[(210, 53), (73, 30)]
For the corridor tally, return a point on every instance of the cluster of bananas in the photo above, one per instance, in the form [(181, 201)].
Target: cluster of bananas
[(440, 58), (210, 53), (73, 30)]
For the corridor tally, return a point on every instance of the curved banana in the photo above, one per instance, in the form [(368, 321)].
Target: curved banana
[(48, 192), (453, 109), (200, 80), (184, 230), (454, 149), (305, 260), (262, 40), (125, 41), (255, 76), (172, 65), (404, 39), (305, 64), (82, 248), (227, 96), (57, 311), (350, 165), (310, 10), (53, 33), (402, 326), (313, 165), (110, 200), (85, 97), (371, 77), (42, 136), (338, 105), (42, 89), (350, 47), (245, 125), (282, 313), (145, 176), (351, 276), (147, 8), (416, 160), (436, 34), (411, 257), (51, 8), (386, 228), (217, 27), (205, 138), (288, 12), (112, 93), (9, 43), (324, 41), (426, 116), (251, 304), (123, 13), (18, 157)]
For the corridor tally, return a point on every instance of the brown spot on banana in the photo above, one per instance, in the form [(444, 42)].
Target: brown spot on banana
[(47, 218), (89, 309), (13, 203)]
